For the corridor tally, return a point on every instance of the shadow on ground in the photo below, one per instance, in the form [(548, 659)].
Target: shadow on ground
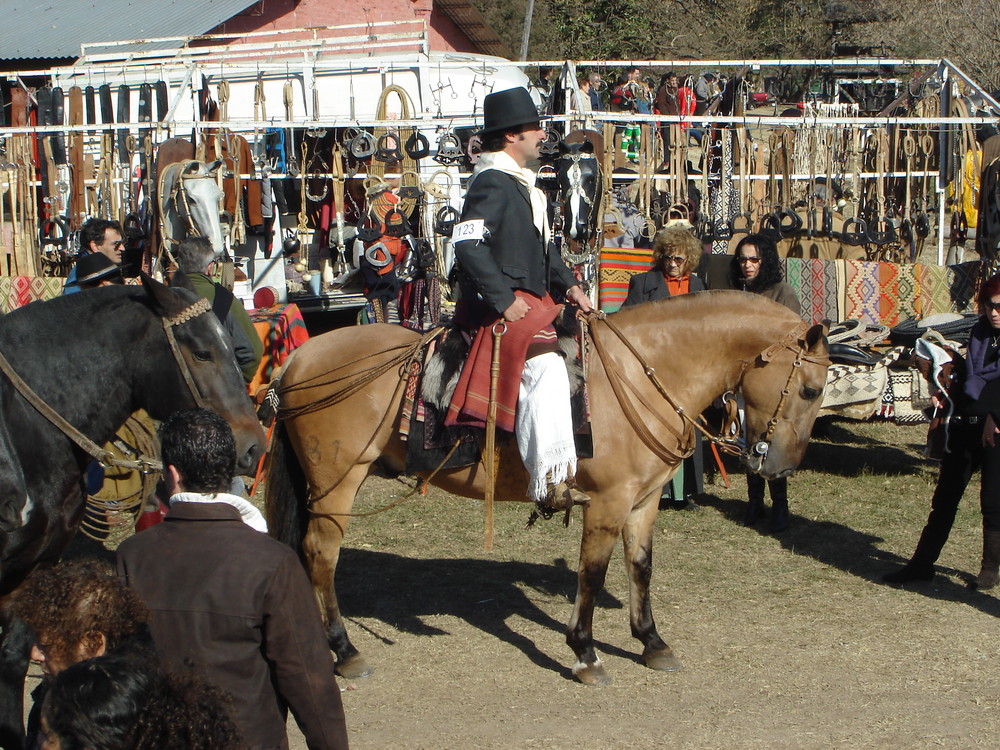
[(856, 553), (402, 591)]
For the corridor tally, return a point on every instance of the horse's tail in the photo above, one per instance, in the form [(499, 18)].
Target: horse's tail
[(285, 495)]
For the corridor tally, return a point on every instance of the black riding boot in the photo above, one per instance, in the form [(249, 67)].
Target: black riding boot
[(755, 493), (779, 505), (989, 574), (921, 565)]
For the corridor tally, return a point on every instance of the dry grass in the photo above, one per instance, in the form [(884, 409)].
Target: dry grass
[(787, 642)]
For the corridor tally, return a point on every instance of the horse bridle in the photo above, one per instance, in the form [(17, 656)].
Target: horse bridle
[(796, 335), (99, 454), (794, 340), (190, 312)]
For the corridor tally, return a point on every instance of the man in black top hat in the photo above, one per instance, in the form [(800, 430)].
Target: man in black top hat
[(507, 266)]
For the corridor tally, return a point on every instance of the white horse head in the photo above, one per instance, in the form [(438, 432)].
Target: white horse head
[(189, 202)]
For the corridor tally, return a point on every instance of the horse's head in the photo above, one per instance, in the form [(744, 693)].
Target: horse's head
[(189, 196), (202, 370), (783, 392), (579, 174)]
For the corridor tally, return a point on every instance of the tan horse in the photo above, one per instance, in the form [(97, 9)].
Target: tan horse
[(699, 345)]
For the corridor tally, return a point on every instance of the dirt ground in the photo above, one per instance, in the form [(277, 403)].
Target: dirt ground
[(786, 642)]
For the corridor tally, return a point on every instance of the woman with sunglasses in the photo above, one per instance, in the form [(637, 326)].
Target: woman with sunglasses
[(756, 268), (973, 442), (676, 253)]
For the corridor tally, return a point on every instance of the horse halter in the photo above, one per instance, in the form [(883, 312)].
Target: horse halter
[(188, 313), (795, 336)]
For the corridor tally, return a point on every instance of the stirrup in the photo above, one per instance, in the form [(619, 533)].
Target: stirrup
[(561, 496)]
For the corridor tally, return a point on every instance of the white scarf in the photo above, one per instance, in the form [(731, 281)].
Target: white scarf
[(501, 161), (248, 513)]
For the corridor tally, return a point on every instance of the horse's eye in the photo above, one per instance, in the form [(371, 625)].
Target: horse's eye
[(203, 356), (810, 394)]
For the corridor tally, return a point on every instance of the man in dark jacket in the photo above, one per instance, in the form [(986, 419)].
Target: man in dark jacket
[(229, 598), (507, 266), (196, 258)]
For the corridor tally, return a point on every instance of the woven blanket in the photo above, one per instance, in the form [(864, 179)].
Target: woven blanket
[(898, 399), (854, 391), (17, 291), (883, 293), (964, 284), (282, 330), (815, 283), (617, 266), (935, 289)]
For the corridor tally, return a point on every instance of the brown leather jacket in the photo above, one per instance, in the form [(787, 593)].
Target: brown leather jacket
[(239, 605)]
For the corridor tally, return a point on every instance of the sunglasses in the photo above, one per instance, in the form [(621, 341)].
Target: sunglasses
[(118, 244), (994, 306), (678, 259), (754, 261)]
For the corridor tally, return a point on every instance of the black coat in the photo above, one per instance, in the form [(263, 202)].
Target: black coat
[(510, 256), (650, 286)]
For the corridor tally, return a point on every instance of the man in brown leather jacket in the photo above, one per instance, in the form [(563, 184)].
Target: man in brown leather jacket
[(229, 598)]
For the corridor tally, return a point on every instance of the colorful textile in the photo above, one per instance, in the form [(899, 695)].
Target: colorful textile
[(815, 283), (17, 291), (617, 266), (282, 330), (935, 289), (471, 400)]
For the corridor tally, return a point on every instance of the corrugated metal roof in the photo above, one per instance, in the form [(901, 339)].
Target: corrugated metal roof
[(471, 22), (57, 28)]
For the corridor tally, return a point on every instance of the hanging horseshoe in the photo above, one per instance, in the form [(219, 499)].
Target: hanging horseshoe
[(885, 237), (856, 238), (417, 146), (445, 220), (369, 230), (789, 222), (449, 149), (746, 228), (387, 150), (550, 146), (827, 230), (722, 230), (396, 224), (362, 145)]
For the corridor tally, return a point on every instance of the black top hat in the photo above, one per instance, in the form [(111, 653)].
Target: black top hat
[(96, 267), (505, 110)]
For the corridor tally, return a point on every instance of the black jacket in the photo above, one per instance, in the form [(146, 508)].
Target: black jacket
[(510, 256), (650, 286)]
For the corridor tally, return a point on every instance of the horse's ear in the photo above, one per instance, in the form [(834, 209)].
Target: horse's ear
[(191, 166), (214, 166), (816, 338), (165, 301), (586, 146), (180, 280), (564, 148)]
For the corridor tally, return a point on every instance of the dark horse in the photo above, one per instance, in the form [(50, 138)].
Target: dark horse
[(579, 176), (94, 358), (343, 416)]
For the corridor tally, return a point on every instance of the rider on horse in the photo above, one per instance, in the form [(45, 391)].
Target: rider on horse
[(507, 266)]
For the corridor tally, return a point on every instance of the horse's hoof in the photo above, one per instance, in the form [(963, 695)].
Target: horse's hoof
[(592, 674), (354, 668), (661, 659)]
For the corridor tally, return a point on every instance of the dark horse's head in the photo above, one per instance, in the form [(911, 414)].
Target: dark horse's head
[(579, 175), (200, 370)]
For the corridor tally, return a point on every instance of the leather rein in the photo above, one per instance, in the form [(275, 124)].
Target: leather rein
[(622, 386), (102, 456)]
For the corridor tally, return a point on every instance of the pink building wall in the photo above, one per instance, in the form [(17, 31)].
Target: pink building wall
[(267, 15)]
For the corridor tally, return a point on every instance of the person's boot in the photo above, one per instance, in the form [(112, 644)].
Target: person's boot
[(920, 568), (563, 496), (755, 495), (989, 573), (779, 505)]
